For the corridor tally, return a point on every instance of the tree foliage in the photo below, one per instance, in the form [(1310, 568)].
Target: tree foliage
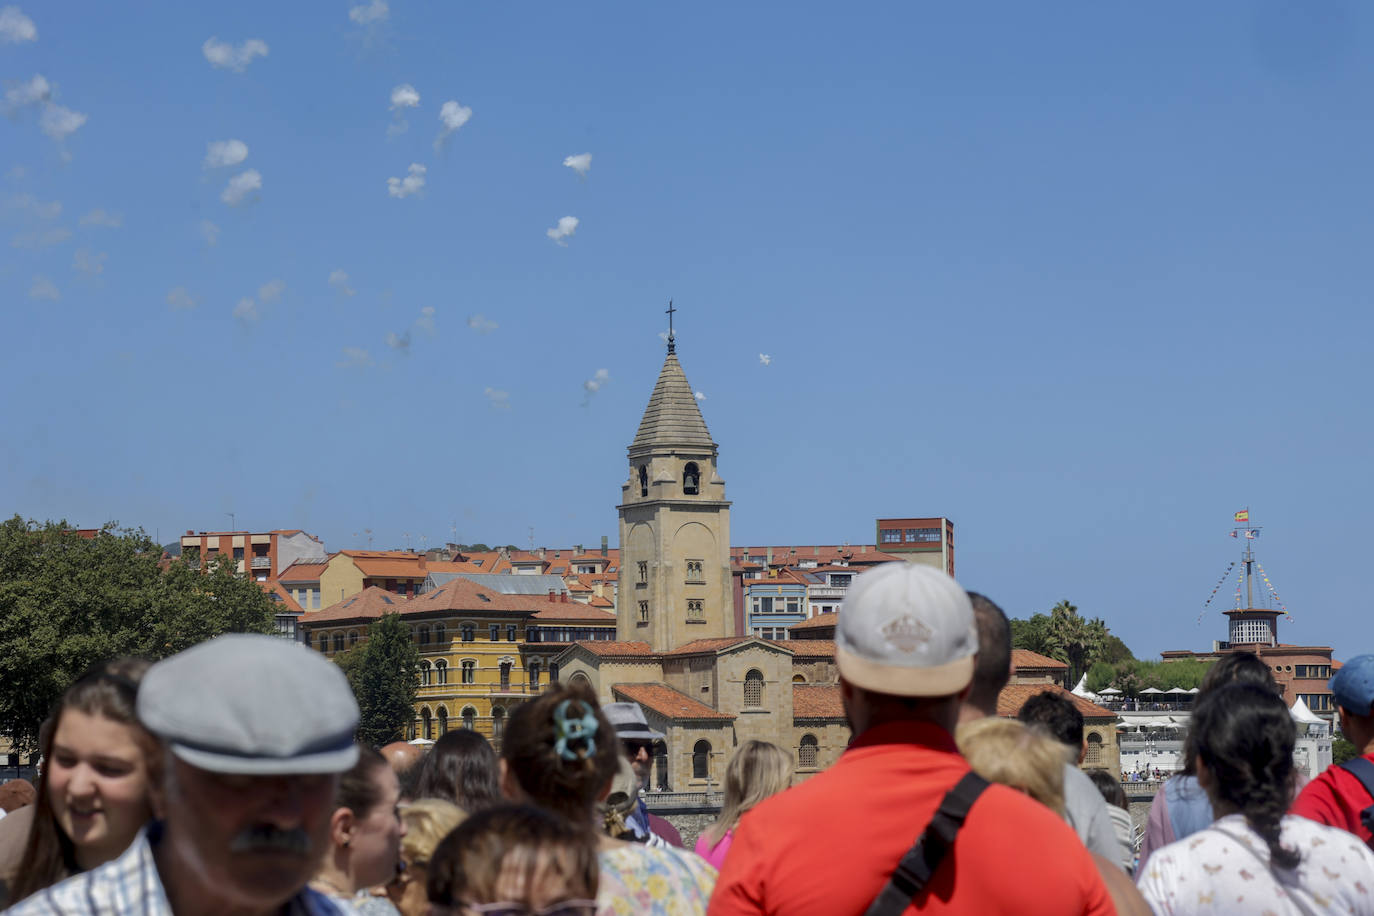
[(68, 602), (1066, 635), (1343, 749), (382, 674), (1133, 675)]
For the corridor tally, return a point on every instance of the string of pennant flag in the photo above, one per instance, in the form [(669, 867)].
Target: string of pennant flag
[(1269, 585), (1215, 589)]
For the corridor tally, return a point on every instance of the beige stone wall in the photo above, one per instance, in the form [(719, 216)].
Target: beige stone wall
[(815, 671), (1110, 755), (603, 672), (682, 742), (832, 737), (772, 719), (693, 675)]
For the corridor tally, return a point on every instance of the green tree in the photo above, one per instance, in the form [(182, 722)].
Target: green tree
[(1033, 634), (1343, 749), (382, 674), (68, 602), (1077, 641)]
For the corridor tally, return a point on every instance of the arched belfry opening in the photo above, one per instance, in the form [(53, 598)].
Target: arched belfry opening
[(643, 480), (691, 479)]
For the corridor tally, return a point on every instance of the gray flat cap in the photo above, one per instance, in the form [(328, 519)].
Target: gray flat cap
[(252, 705), (629, 722)]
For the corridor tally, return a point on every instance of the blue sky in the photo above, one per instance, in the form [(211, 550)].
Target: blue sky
[(1084, 278)]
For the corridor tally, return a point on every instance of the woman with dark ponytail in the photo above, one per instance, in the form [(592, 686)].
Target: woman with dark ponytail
[(1255, 857)]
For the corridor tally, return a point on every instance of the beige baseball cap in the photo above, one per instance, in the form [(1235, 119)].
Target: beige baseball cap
[(907, 630)]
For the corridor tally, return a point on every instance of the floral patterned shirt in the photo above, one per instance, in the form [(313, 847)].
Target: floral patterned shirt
[(653, 881), (1225, 869)]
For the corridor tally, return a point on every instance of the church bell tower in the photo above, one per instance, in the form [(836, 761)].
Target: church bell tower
[(674, 523)]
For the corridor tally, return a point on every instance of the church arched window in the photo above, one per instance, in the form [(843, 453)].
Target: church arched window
[(701, 760), (691, 479), (806, 754), (643, 480), (443, 721), (753, 688), (1093, 754)]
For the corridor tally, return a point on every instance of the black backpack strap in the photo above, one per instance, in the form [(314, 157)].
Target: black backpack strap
[(1363, 770), (919, 864)]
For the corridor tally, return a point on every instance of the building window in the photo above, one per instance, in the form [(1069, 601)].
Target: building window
[(424, 674), (694, 571), (441, 671), (469, 718), (324, 642), (1093, 755), (753, 688), (469, 631), (426, 730), (792, 606), (553, 672), (534, 674), (923, 535), (424, 636), (643, 572), (701, 760), (439, 633), (443, 721), (352, 638), (469, 671), (315, 599), (505, 675), (338, 642), (691, 479), (643, 480), (694, 611), (892, 535), (643, 612), (806, 753), (498, 723), (495, 631), (799, 679), (511, 632)]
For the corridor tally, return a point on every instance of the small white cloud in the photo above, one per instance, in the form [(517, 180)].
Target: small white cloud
[(404, 96), (339, 280), (89, 262), (593, 384), (354, 358), (271, 291), (15, 26), (698, 395), (59, 123), (451, 117), (399, 341), (240, 186), (481, 324), (498, 399), (44, 211), (104, 218), (36, 90), (566, 227), (210, 232), (765, 359), (247, 310), (411, 184), (42, 239), (43, 290), (227, 57), (425, 322), (581, 163), (222, 153), (179, 297), (370, 13)]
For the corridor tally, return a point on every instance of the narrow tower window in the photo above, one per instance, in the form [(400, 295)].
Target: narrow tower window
[(690, 479), (643, 480)]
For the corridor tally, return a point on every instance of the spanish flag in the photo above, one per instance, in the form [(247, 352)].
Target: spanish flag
[(1243, 515)]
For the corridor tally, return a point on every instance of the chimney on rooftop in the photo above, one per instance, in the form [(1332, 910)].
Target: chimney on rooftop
[(577, 549), (563, 598), (189, 531), (551, 595), (603, 545), (770, 556)]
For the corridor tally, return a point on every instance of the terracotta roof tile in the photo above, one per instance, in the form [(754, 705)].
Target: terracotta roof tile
[(699, 646), (807, 648), (819, 622), (598, 601), (573, 610), (283, 597), (614, 648), (668, 702), (303, 572), (1014, 696), (1025, 658), (370, 603), (461, 595), (809, 702)]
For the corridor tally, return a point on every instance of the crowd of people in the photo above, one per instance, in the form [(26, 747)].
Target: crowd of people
[(227, 779)]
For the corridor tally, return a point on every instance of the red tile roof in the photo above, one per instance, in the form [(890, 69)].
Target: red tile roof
[(1014, 696), (667, 702), (303, 572), (464, 595), (809, 702), (702, 646), (613, 648), (808, 648), (820, 621), (574, 610), (283, 596), (370, 603), (1025, 658), (598, 601)]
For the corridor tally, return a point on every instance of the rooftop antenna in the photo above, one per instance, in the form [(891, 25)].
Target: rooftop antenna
[(672, 341), (406, 535), (368, 532), (532, 536), (231, 521)]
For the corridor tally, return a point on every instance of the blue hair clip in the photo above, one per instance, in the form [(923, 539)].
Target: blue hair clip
[(576, 729)]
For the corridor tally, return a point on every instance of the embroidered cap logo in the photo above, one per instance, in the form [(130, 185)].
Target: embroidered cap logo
[(906, 634)]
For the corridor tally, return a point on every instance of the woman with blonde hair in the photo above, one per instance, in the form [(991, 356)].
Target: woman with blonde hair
[(426, 822), (1011, 753), (758, 769)]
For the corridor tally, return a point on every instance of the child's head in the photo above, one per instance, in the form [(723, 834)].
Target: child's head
[(527, 859)]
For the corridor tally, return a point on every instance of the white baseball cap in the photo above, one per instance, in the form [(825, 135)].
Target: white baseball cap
[(907, 630)]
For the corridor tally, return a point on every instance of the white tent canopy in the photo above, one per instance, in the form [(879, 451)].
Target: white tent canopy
[(1151, 690), (1109, 692), (1301, 713), (1177, 690)]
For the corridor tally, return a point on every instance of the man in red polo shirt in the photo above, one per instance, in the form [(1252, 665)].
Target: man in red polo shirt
[(904, 644), (1337, 797)]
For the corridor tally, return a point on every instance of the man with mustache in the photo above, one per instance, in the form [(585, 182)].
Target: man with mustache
[(255, 732)]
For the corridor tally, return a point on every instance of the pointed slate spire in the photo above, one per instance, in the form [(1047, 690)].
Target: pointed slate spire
[(672, 417)]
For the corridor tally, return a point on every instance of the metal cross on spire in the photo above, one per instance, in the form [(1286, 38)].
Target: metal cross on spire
[(672, 343)]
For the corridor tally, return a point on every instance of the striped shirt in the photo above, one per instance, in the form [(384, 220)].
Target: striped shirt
[(130, 886)]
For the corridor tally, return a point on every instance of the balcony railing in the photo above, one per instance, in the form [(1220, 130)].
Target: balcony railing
[(262, 562)]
